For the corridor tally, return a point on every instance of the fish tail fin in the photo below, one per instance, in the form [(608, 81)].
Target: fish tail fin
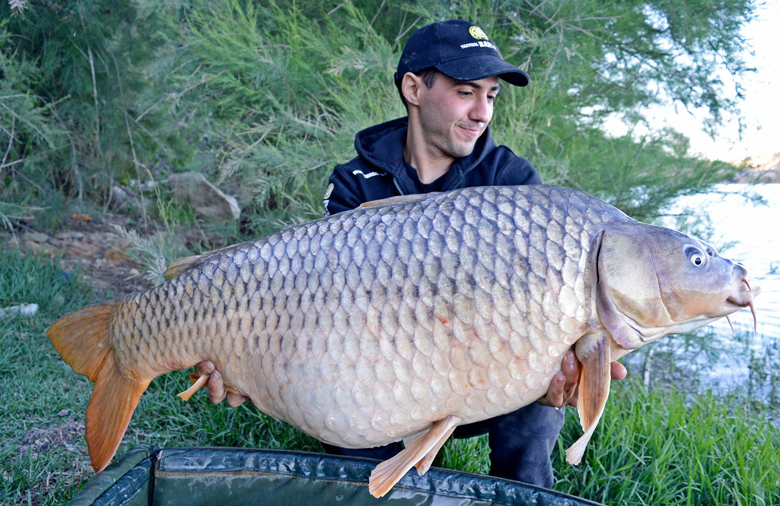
[(114, 399), (81, 338)]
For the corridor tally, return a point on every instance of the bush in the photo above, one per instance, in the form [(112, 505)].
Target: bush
[(265, 98)]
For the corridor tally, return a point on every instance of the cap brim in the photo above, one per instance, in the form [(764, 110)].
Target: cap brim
[(482, 66)]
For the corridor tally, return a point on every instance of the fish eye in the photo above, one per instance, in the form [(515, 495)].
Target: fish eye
[(695, 256)]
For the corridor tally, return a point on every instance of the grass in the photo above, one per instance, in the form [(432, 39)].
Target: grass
[(661, 447), (656, 447), (37, 452)]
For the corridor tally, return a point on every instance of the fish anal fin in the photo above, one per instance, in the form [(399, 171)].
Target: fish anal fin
[(398, 199), (114, 398), (593, 352), (387, 474)]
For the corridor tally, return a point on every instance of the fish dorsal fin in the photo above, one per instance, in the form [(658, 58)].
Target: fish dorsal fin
[(419, 451), (594, 352), (398, 199), (184, 264)]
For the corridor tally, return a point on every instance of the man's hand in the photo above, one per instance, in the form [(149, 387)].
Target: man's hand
[(217, 392), (564, 385)]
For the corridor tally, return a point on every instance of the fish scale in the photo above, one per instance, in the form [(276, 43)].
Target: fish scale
[(409, 313)]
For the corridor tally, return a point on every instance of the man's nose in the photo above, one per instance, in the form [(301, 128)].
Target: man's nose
[(482, 110)]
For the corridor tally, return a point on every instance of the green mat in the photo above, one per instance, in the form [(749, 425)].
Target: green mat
[(230, 476)]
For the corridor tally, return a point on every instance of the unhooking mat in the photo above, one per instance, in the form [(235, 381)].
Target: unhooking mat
[(148, 476)]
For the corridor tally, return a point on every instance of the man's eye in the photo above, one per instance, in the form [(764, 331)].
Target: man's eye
[(465, 93)]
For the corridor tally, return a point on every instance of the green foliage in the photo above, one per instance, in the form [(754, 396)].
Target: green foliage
[(264, 98), (659, 447), (27, 135), (69, 71), (471, 455), (666, 448), (289, 89), (154, 252)]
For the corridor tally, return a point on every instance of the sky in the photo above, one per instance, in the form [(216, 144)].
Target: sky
[(761, 105)]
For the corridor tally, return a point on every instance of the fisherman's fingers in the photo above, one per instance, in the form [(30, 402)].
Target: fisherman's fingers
[(217, 391), (618, 371), (205, 367), (570, 367), (235, 400), (554, 395)]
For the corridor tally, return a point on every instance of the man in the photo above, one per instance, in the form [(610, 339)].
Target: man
[(448, 78)]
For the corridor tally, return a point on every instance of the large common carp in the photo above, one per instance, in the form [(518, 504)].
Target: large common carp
[(408, 317)]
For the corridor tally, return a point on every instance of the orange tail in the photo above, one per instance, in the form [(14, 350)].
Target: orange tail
[(81, 338)]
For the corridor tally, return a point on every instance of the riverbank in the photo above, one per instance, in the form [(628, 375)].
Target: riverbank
[(656, 447), (762, 169)]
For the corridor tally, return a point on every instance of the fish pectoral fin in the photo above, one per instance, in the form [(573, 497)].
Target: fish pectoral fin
[(387, 474), (397, 200), (197, 383), (593, 352)]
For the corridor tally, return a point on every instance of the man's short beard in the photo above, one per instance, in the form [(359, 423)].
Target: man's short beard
[(455, 149), (459, 151)]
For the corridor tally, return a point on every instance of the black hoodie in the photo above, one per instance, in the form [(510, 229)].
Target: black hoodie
[(379, 170)]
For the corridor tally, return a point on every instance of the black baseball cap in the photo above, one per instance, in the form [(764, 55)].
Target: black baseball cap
[(458, 49)]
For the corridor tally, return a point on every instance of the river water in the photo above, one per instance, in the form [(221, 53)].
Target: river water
[(712, 357)]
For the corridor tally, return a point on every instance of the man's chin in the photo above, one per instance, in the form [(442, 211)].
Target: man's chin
[(461, 149)]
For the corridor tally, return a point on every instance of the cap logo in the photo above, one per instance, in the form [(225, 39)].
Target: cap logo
[(477, 33)]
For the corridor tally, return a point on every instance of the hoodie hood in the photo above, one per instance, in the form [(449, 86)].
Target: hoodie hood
[(382, 146), (379, 172)]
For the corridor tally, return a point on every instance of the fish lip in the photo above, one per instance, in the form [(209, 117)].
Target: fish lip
[(744, 292), (749, 293), (755, 288), (737, 304)]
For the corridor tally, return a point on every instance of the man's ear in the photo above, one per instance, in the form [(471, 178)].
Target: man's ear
[(411, 87)]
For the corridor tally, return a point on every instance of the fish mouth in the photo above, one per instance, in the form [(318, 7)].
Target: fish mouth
[(742, 296)]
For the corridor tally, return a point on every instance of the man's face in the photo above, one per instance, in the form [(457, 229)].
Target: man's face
[(453, 114)]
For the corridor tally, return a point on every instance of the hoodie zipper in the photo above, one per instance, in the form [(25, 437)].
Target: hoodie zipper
[(397, 187)]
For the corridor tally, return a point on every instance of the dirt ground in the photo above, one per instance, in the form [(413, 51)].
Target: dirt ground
[(66, 438), (91, 247)]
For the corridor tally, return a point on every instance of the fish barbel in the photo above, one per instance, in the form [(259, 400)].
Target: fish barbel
[(405, 318)]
